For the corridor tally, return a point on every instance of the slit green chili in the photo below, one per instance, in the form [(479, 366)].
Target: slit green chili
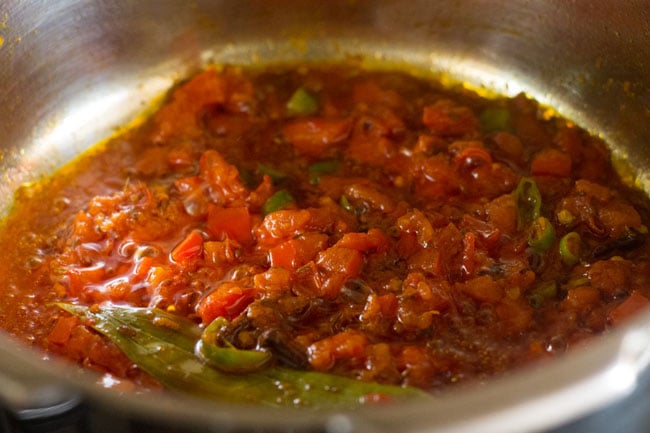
[(542, 234), (275, 174), (228, 358), (316, 170), (277, 201), (302, 102), (528, 201), (570, 245), (542, 292)]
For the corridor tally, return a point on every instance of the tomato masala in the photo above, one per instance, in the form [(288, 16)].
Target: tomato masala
[(368, 224)]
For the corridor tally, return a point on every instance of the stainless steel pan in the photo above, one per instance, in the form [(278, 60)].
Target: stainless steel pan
[(72, 71)]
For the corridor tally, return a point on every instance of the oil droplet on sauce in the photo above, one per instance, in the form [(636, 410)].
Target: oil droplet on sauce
[(2, 41)]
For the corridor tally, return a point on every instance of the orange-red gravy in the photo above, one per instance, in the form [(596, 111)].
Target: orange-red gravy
[(403, 251)]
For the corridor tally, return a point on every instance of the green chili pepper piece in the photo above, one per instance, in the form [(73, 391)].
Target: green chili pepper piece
[(229, 358), (277, 201), (494, 119), (320, 168), (162, 345), (345, 204), (542, 234), (570, 248), (275, 174), (302, 103), (528, 201), (543, 292), (232, 360)]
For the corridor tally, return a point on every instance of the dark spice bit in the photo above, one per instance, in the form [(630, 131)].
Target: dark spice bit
[(630, 240)]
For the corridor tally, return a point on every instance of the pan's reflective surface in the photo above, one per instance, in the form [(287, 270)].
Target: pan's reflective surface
[(71, 72)]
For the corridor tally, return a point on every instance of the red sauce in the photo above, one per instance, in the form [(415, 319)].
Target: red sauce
[(371, 224)]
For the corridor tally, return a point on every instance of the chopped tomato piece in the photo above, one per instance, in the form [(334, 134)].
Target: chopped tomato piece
[(189, 248), (223, 178), (369, 194), (551, 162), (275, 280), (60, 334), (339, 264), (227, 300), (142, 267), (234, 222), (469, 252), (369, 92), (447, 119), (294, 253), (157, 275), (483, 289), (313, 136), (181, 115), (78, 278), (435, 177), (323, 354), (628, 308), (581, 298), (515, 315), (282, 224), (474, 156), (220, 253), (373, 240), (340, 260), (380, 308), (416, 223)]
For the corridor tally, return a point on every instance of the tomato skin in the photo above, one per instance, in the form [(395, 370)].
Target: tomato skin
[(473, 156), (373, 240), (62, 330), (551, 162), (281, 225), (447, 119), (275, 280), (323, 354), (189, 248), (78, 278), (234, 222), (181, 115), (581, 298), (313, 136), (296, 252), (483, 289), (222, 178), (227, 300), (628, 308), (337, 265), (285, 255)]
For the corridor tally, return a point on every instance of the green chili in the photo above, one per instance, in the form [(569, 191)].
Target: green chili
[(494, 119), (228, 358), (542, 234), (345, 204), (320, 168), (528, 201), (542, 292), (302, 103), (275, 174), (231, 359), (570, 248), (277, 201), (162, 345)]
